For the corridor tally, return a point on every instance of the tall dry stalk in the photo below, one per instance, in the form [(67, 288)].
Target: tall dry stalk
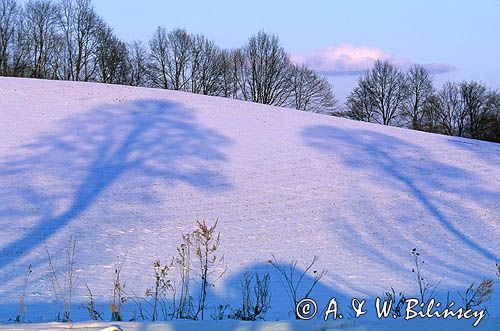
[(63, 290), (206, 243)]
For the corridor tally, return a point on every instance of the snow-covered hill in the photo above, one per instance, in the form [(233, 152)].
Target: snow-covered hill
[(129, 170)]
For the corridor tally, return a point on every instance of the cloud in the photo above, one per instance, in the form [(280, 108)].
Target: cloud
[(345, 59), (438, 68)]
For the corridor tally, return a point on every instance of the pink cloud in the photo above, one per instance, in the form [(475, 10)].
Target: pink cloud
[(348, 59)]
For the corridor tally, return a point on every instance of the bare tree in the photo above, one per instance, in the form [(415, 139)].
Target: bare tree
[(475, 98), (170, 57), (265, 71), (241, 88), (310, 92), (229, 83), (360, 105), (388, 90), (420, 90), (207, 67), (66, 39), (431, 116), (79, 25), (491, 128), (139, 64), (21, 47), (41, 33), (451, 110), (180, 46), (159, 57), (8, 18), (112, 57)]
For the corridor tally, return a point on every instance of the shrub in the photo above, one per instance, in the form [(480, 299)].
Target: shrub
[(255, 298), (292, 284)]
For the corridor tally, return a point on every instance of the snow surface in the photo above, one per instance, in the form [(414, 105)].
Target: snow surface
[(441, 325), (129, 170)]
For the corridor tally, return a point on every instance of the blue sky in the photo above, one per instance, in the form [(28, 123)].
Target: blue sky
[(458, 40)]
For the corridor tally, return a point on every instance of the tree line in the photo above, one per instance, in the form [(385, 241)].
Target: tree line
[(67, 40), (386, 95)]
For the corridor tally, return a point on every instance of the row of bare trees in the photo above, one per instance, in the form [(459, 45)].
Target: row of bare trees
[(389, 96), (67, 40)]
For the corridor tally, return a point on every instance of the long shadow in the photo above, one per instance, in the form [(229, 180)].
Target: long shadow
[(282, 309), (382, 157), (483, 150), (149, 141), (281, 304)]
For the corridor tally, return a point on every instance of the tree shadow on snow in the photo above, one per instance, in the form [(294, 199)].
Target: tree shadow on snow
[(281, 308), (439, 188), (281, 304), (59, 176), (485, 151)]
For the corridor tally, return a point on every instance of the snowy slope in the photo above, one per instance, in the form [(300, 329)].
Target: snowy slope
[(128, 170)]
